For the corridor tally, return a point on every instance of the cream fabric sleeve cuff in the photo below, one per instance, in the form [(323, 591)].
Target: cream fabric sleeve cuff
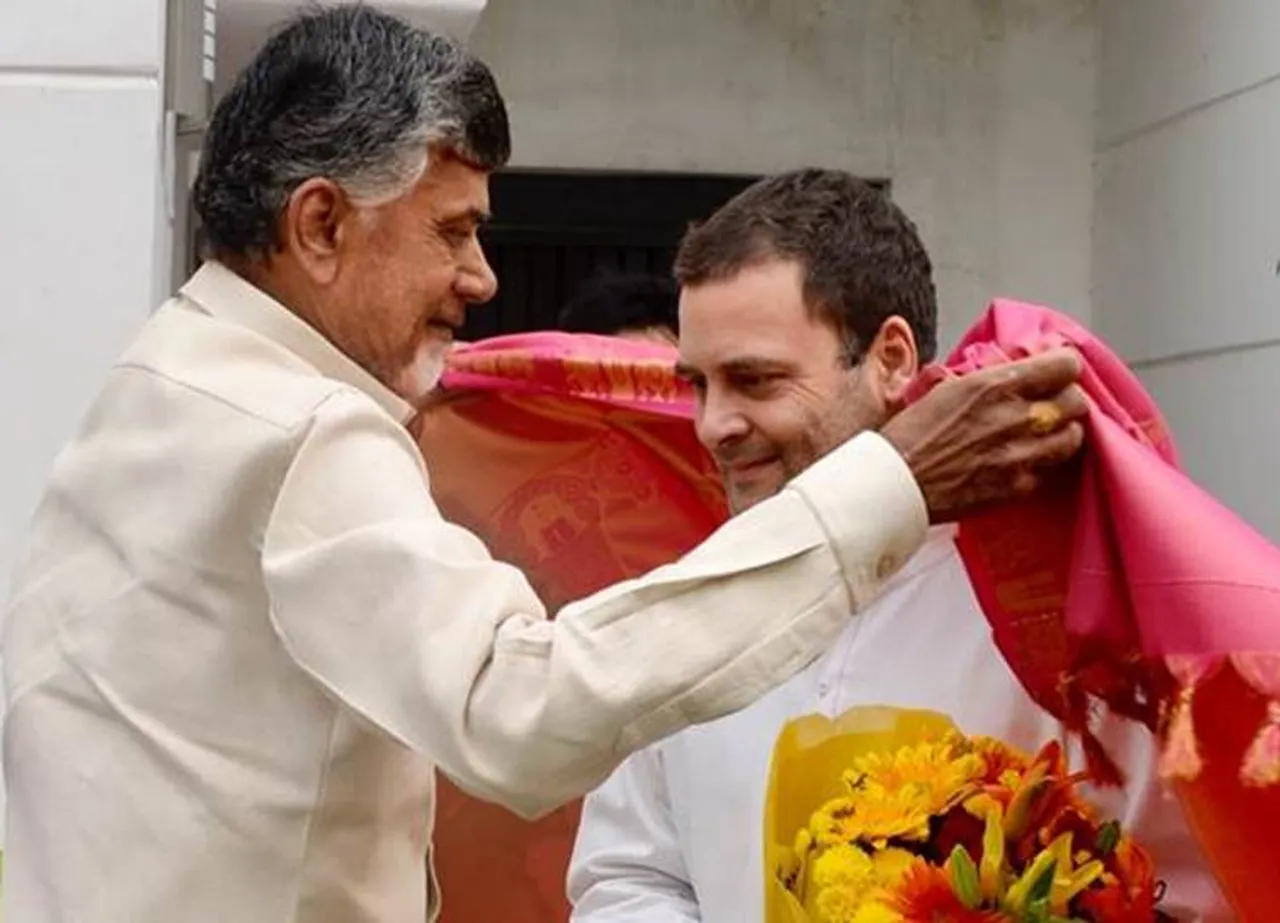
[(871, 509)]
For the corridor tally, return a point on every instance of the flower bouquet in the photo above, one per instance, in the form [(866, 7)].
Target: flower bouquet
[(893, 816)]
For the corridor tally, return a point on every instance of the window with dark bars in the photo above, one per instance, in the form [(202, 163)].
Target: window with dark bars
[(552, 230)]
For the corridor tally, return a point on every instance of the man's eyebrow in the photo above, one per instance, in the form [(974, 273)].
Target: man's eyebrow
[(755, 365), (471, 216), (740, 365)]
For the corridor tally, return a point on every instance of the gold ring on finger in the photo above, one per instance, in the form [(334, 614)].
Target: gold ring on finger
[(1044, 417)]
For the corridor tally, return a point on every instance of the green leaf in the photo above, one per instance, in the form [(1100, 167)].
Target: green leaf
[(1108, 838), (964, 878), (1037, 912), (1042, 886)]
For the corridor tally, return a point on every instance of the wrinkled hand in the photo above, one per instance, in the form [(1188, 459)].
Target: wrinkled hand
[(992, 435)]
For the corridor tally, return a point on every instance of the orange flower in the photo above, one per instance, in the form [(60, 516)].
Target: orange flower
[(1128, 891), (925, 895), (999, 759), (1050, 755), (1133, 864), (1039, 799), (1059, 818)]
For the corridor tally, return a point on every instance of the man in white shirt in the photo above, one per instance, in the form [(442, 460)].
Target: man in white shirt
[(242, 637), (807, 307)]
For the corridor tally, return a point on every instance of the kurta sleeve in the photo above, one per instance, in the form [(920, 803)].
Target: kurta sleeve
[(628, 865), (407, 620)]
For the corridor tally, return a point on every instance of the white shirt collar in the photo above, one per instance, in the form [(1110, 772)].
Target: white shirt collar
[(219, 292)]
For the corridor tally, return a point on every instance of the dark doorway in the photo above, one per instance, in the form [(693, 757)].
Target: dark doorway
[(551, 230)]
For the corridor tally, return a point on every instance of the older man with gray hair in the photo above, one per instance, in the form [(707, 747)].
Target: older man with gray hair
[(243, 638)]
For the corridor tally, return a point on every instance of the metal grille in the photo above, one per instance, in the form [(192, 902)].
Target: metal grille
[(553, 230)]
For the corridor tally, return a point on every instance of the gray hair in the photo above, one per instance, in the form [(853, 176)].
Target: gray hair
[(348, 93)]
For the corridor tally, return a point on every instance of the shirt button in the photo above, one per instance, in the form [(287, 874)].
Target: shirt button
[(886, 567)]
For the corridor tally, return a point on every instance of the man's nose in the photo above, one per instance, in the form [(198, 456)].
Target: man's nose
[(476, 280), (719, 423)]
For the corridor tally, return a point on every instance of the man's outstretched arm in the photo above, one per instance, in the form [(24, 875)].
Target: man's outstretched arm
[(407, 620)]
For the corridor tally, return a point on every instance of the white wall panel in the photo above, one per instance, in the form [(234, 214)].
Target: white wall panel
[(78, 225), (1222, 412), (93, 35), (1187, 232), (1164, 57)]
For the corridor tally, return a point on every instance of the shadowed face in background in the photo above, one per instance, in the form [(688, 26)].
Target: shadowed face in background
[(663, 335), (633, 306), (776, 388)]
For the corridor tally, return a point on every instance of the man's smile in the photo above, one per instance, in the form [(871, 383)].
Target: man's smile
[(745, 469)]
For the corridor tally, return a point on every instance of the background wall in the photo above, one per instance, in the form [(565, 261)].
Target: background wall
[(81, 110), (1187, 240), (80, 106), (980, 112)]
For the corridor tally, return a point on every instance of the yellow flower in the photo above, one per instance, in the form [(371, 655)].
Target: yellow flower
[(894, 795), (933, 773), (844, 867), (842, 877), (836, 905), (873, 817), (934, 768), (875, 912), (890, 865)]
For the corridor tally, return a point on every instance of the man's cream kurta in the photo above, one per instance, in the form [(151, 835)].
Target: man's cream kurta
[(243, 637)]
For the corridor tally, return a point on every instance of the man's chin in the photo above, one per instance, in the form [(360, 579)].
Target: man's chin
[(419, 380), (742, 499)]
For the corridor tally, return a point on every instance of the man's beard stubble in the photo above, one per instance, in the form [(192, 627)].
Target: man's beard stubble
[(849, 413), (423, 373)]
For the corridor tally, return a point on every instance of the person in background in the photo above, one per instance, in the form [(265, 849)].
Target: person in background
[(242, 637), (640, 306), (807, 307)]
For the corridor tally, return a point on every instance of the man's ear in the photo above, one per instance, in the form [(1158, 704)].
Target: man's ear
[(313, 226), (893, 361)]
